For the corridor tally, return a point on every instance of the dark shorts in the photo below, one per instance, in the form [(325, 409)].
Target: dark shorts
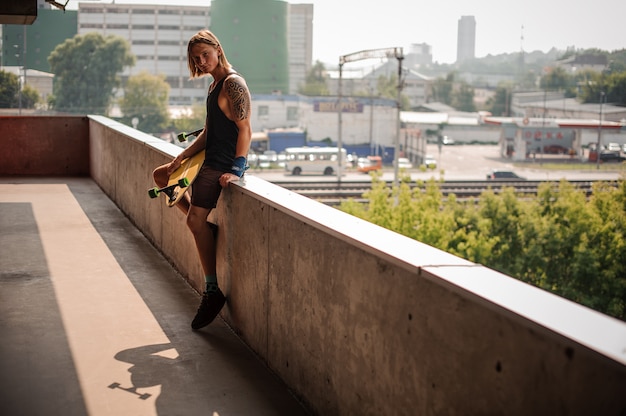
[(206, 189)]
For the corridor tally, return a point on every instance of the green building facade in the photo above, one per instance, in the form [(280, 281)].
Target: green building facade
[(30, 45), (254, 36)]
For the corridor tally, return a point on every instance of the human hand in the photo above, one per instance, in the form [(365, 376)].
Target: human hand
[(227, 178), (174, 164)]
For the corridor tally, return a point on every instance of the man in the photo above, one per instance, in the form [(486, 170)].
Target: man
[(225, 140)]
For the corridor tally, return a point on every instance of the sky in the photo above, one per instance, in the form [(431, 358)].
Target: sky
[(341, 27)]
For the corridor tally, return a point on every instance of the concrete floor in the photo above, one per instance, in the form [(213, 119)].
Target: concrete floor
[(94, 321)]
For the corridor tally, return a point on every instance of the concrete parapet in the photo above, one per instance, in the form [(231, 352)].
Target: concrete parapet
[(361, 320), (357, 319)]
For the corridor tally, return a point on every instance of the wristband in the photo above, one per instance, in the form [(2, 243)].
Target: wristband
[(239, 166)]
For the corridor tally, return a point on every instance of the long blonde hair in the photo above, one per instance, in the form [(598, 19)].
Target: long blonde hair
[(205, 36)]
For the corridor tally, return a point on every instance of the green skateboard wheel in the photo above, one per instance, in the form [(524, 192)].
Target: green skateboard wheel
[(154, 192)]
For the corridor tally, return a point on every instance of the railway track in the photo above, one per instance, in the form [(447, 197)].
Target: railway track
[(332, 193)]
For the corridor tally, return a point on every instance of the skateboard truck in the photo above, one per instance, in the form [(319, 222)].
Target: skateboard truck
[(132, 390), (171, 191), (182, 137)]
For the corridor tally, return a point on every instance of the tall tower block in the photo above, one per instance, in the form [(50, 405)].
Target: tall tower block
[(466, 39)]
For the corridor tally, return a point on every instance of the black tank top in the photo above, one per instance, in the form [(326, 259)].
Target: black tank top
[(222, 133)]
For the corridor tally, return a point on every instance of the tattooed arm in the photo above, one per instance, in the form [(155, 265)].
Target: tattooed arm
[(238, 110)]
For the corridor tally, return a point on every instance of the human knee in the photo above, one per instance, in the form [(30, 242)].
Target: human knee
[(195, 223), (160, 175)]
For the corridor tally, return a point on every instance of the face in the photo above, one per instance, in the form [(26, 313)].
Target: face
[(205, 57)]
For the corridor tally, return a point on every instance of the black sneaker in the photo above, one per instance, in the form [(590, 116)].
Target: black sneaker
[(210, 306)]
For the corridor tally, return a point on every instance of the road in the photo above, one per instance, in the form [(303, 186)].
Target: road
[(459, 162)]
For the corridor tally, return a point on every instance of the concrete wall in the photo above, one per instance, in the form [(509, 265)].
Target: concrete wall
[(360, 320), (51, 146)]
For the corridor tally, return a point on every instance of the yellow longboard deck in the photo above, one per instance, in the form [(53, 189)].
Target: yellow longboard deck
[(180, 180)]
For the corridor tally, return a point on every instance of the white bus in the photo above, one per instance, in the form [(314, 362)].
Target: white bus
[(314, 160)]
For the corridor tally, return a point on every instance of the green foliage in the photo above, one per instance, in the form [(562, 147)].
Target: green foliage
[(500, 103), (588, 85), (145, 98), (611, 88), (192, 121), (455, 93), (560, 241), (30, 97), (387, 87), (9, 87), (443, 87), (10, 94), (86, 70), (463, 98), (559, 80), (315, 82)]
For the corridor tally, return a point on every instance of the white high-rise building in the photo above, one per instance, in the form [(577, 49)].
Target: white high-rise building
[(466, 39), (300, 44)]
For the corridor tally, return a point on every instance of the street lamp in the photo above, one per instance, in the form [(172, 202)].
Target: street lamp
[(599, 132), (19, 79)]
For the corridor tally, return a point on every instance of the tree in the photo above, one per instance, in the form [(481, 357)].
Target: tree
[(86, 70), (9, 87), (617, 88), (388, 87), (10, 96), (30, 97), (442, 88), (315, 83), (561, 241), (193, 120), (557, 79), (463, 97), (145, 98), (500, 103)]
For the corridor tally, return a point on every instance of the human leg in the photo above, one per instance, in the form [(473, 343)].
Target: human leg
[(205, 192), (203, 236), (212, 299)]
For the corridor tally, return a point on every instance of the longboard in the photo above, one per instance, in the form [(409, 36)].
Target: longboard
[(180, 180)]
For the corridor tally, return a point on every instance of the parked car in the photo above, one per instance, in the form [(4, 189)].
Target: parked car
[(448, 141), (404, 163), (367, 164), (430, 162), (607, 157), (504, 175), (614, 147)]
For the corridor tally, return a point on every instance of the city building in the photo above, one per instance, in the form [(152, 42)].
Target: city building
[(420, 55), (581, 62), (158, 36), (554, 105), (367, 123), (466, 39), (274, 52), (363, 81), (29, 46), (38, 80), (300, 44), (254, 36)]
